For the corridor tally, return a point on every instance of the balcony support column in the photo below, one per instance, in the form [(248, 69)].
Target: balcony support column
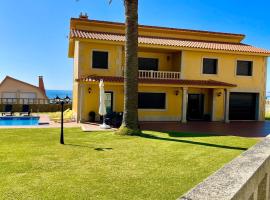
[(184, 104), (227, 103)]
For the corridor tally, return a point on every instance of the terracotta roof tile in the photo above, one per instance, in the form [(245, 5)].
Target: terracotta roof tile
[(158, 27), (119, 79), (170, 42)]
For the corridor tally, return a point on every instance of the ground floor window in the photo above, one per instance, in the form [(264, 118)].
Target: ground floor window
[(151, 100)]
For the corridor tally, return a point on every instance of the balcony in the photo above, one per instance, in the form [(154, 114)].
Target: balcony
[(150, 74)]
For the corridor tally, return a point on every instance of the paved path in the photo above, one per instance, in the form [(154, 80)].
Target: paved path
[(244, 129)]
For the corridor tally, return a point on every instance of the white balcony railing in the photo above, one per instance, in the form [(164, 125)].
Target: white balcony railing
[(150, 74)]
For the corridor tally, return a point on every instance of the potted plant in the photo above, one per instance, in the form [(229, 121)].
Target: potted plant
[(92, 116)]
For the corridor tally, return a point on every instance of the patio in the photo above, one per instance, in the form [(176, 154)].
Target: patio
[(243, 129)]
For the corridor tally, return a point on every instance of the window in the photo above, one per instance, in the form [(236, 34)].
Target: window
[(210, 66), (100, 59), (151, 100), (148, 64), (244, 68)]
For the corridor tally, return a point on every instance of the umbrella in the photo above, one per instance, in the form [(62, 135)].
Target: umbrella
[(102, 107)]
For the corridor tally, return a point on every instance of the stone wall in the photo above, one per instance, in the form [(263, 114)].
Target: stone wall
[(247, 177)]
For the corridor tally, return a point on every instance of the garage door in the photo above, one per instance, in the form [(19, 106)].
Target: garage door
[(243, 106)]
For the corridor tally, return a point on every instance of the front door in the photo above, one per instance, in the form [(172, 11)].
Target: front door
[(195, 106), (109, 101)]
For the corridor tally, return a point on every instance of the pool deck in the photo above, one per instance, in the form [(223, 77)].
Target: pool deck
[(243, 129), (45, 122)]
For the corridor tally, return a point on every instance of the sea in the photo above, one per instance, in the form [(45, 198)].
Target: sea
[(51, 94)]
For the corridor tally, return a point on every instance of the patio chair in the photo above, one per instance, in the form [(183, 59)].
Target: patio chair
[(25, 110), (114, 119), (7, 110)]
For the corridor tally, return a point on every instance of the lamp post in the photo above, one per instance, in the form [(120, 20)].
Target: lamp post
[(58, 100)]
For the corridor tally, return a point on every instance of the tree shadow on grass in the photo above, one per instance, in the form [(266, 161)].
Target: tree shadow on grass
[(185, 134), (154, 137)]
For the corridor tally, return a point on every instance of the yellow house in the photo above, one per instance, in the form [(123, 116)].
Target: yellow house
[(183, 74)]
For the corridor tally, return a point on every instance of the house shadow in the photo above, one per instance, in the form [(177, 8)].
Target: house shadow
[(188, 134), (154, 137)]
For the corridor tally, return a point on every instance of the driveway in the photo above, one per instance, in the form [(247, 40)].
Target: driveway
[(244, 129)]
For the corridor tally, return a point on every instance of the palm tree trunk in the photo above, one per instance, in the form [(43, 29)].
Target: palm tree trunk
[(130, 117)]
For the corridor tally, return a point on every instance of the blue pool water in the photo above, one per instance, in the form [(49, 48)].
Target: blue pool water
[(19, 121)]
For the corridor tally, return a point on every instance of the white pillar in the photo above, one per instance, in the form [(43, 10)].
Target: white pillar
[(81, 100), (213, 118), (184, 104), (227, 103)]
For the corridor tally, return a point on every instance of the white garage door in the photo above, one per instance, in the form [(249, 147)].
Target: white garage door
[(27, 97), (9, 97)]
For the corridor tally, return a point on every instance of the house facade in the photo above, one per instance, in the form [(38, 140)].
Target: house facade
[(183, 74), (14, 91)]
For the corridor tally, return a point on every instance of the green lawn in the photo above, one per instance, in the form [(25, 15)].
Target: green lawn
[(101, 165)]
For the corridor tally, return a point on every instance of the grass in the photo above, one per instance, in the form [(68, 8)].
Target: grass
[(102, 165), (267, 115), (56, 116)]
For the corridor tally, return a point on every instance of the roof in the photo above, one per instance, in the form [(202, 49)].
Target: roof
[(22, 82), (120, 79), (159, 27), (233, 47)]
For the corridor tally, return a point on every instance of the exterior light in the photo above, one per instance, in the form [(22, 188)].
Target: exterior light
[(57, 99), (176, 92), (89, 90), (219, 94), (67, 99)]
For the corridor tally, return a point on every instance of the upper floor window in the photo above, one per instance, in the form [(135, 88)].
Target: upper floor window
[(210, 66), (151, 100), (100, 59), (148, 64), (244, 68)]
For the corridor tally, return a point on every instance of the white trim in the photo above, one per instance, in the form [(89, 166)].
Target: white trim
[(206, 57), (100, 50), (243, 76)]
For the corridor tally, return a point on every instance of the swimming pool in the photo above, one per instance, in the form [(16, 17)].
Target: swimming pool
[(19, 121)]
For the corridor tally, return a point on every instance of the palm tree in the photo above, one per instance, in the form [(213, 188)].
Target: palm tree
[(130, 124)]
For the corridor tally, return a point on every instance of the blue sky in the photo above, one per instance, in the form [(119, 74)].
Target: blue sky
[(33, 33)]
